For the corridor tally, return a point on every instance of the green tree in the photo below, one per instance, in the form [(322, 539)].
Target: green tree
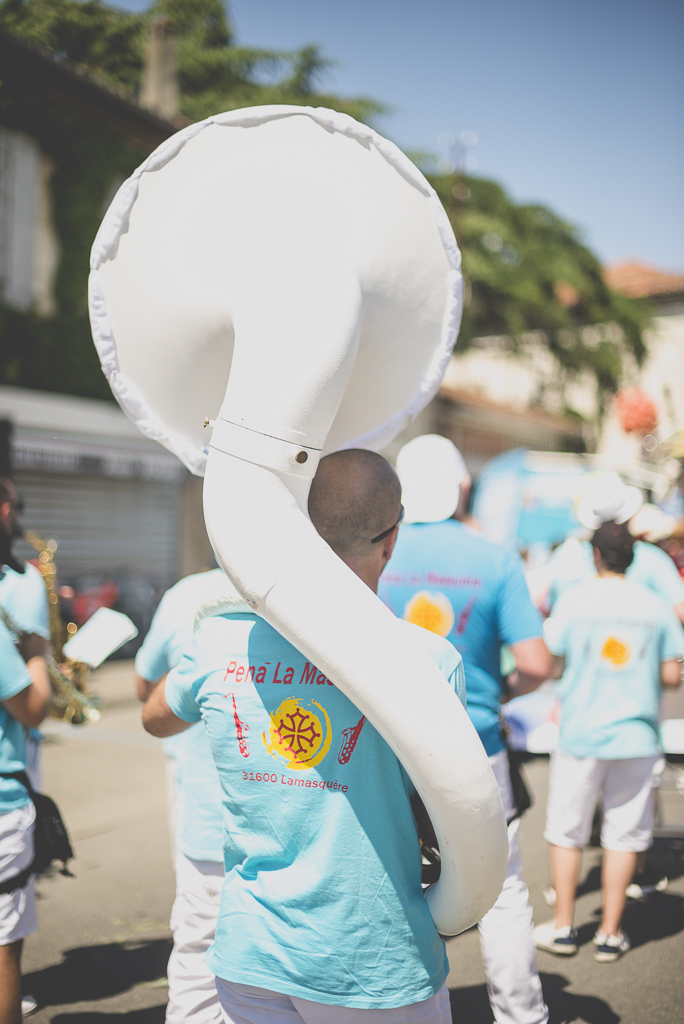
[(527, 270), (215, 73), (56, 353)]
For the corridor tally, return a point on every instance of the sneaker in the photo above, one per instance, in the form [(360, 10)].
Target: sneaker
[(646, 884), (549, 894), (28, 1005), (562, 941), (610, 947)]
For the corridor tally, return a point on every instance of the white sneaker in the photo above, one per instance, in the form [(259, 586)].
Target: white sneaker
[(561, 941), (610, 947), (28, 1005)]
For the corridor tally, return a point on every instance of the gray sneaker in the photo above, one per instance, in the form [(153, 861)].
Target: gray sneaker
[(610, 947)]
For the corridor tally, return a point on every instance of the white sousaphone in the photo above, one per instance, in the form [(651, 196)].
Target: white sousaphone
[(289, 276)]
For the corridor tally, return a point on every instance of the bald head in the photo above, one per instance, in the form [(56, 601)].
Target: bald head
[(355, 496)]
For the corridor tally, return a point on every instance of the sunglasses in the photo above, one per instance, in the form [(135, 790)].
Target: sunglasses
[(386, 533)]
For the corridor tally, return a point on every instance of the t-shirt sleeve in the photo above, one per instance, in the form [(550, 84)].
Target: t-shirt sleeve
[(671, 637), (182, 685), (14, 676), (664, 577), (152, 660), (34, 613), (517, 618)]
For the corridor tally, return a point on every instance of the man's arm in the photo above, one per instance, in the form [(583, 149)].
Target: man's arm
[(679, 612), (31, 705), (143, 687), (671, 672), (532, 664), (157, 717)]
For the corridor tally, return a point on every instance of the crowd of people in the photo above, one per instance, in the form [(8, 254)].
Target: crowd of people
[(299, 881)]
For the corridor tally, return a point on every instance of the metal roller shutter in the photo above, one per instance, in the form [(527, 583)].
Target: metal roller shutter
[(105, 527)]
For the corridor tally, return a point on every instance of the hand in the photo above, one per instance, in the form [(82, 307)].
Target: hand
[(31, 645)]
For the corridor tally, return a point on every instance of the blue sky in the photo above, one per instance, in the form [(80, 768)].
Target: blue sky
[(579, 106)]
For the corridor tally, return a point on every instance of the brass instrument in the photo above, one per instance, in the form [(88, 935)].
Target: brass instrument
[(71, 701)]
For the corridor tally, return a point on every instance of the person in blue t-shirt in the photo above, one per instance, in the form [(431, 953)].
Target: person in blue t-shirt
[(24, 598), (194, 802), (25, 696), (608, 498), (615, 641), (322, 915), (446, 577)]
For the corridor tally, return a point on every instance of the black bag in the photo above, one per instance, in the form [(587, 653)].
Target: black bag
[(429, 847), (50, 837), (521, 794)]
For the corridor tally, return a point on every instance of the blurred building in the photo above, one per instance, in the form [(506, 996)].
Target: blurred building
[(35, 84), (660, 377), (123, 510), (495, 398), (126, 514)]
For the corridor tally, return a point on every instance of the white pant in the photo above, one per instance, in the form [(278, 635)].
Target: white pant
[(17, 909), (509, 954), (625, 788), (192, 986), (245, 1004)]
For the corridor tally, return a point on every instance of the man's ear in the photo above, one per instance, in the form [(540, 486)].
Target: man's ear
[(598, 561), (388, 544)]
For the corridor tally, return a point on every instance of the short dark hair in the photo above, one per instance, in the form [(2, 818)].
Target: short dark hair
[(355, 496), (615, 544)]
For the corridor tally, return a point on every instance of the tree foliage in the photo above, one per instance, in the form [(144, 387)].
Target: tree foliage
[(527, 270), (215, 73)]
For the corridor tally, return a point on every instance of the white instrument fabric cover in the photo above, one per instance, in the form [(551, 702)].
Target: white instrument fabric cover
[(287, 276)]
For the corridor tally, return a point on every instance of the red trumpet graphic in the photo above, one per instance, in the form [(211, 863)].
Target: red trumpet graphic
[(351, 737), (241, 727)]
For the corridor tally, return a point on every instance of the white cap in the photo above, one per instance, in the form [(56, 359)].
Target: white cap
[(431, 470), (652, 523), (607, 497)]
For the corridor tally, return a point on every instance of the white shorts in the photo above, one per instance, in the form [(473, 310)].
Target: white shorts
[(245, 1004), (625, 790), (17, 909), (192, 986)]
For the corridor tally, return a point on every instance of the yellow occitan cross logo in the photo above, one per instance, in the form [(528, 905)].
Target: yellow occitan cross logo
[(296, 733)]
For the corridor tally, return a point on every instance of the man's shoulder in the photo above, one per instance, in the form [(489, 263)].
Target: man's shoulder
[(644, 599), (650, 556), (453, 536)]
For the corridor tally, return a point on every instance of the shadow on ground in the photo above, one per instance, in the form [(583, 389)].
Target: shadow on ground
[(470, 1005), (153, 1015), (98, 972)]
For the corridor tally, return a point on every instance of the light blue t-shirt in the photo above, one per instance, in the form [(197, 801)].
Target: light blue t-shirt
[(24, 598), (573, 562), (614, 634), (199, 829), (450, 579), (14, 677), (322, 897)]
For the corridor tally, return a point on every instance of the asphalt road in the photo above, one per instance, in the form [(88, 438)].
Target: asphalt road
[(100, 954)]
